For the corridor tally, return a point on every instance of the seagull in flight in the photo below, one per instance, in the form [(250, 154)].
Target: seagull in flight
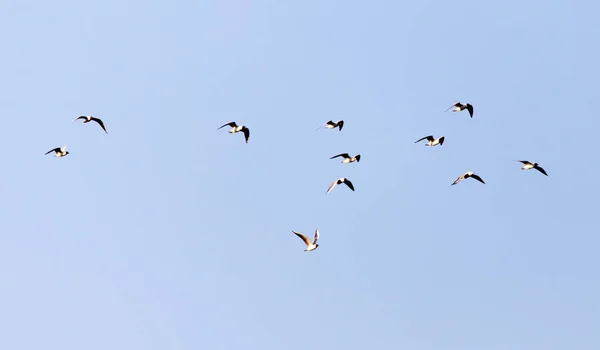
[(339, 181), (60, 151), (309, 246), (89, 118), (529, 165), (466, 176), (432, 140), (460, 107), (347, 158), (332, 125), (235, 128)]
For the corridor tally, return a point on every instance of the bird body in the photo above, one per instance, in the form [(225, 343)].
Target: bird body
[(431, 141), (347, 158), (339, 181), (466, 176), (310, 246), (89, 118), (529, 165), (237, 128)]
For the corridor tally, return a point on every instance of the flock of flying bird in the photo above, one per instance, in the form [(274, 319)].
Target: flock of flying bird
[(431, 141), (310, 246), (62, 151)]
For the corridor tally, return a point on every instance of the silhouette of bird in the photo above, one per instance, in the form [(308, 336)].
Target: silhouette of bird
[(339, 181), (60, 151), (466, 176), (529, 165), (309, 246), (460, 107), (347, 158), (235, 129), (432, 140), (89, 118), (331, 125)]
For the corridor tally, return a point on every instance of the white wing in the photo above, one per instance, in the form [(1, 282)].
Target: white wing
[(332, 186), (316, 236)]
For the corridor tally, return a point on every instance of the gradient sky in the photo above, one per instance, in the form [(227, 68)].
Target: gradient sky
[(169, 234)]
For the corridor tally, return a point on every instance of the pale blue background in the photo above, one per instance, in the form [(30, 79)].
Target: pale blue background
[(169, 234)]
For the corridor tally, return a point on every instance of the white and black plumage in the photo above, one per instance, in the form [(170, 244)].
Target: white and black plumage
[(89, 118), (235, 128), (347, 158), (339, 181), (529, 165), (60, 151), (466, 176), (310, 246), (332, 125), (432, 140), (460, 107)]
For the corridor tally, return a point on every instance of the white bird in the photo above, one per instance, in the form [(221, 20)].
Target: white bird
[(309, 246), (235, 128), (89, 118), (347, 158), (60, 151), (529, 165), (460, 107), (432, 140), (331, 125), (341, 180), (466, 176)]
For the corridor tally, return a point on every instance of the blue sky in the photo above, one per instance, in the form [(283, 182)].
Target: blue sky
[(169, 234)]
